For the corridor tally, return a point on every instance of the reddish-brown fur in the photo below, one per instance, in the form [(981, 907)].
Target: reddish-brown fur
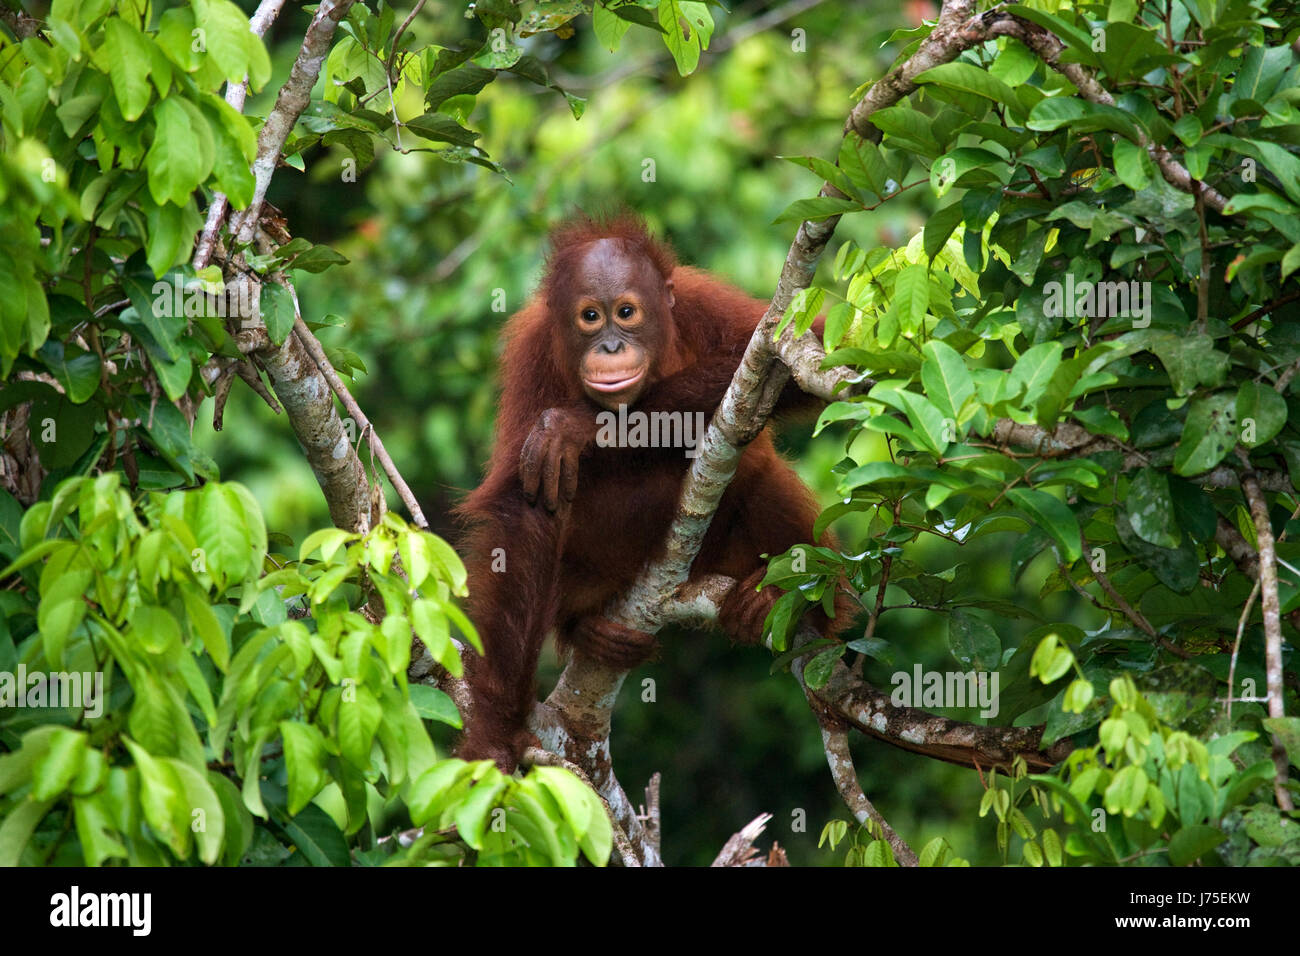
[(563, 568)]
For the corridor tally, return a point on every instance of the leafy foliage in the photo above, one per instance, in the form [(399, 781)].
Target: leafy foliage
[(1077, 352), (217, 701), (254, 704)]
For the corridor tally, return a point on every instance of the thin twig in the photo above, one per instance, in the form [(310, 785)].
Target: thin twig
[(246, 370), (236, 93), (314, 349), (293, 98), (835, 741), (392, 54), (1236, 647), (1203, 280), (1130, 612), (1264, 310)]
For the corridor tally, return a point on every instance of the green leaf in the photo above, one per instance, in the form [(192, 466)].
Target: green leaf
[(973, 642), (358, 719), (638, 15), (687, 28), (940, 226), (1078, 39), (277, 311), (813, 210), (956, 163), (1209, 433), (317, 259), (55, 769), (946, 379), (911, 297), (174, 164), (162, 798), (609, 27), (61, 611), (96, 830), (873, 472), (441, 128), (1193, 509), (971, 79), (155, 629), (317, 837), (1150, 508), (304, 758), (434, 704), (1034, 369), (1188, 129), (1176, 568), (818, 670), (1127, 791), (209, 827), (232, 45), (222, 532), (1102, 421), (1132, 165), (1082, 116), (475, 810), (1053, 516), (17, 828), (1287, 731), (1261, 413), (152, 308), (126, 56), (76, 369), (203, 622), (73, 429), (171, 231), (1191, 843), (935, 431), (1191, 360), (861, 161)]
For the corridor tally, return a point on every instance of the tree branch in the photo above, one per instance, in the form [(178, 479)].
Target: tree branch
[(1272, 622), (236, 93), (309, 404), (740, 850), (838, 757), (313, 347), (1129, 611), (1049, 49), (293, 98)]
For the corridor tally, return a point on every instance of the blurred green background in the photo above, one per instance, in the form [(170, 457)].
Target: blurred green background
[(434, 246)]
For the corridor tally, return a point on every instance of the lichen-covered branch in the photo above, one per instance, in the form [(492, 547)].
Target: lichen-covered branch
[(236, 93), (838, 757), (1272, 622), (313, 347), (293, 98), (308, 401)]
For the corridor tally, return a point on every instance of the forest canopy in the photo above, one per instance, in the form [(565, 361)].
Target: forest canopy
[(255, 261)]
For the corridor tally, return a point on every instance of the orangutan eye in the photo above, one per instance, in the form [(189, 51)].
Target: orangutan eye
[(625, 312), (589, 316)]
